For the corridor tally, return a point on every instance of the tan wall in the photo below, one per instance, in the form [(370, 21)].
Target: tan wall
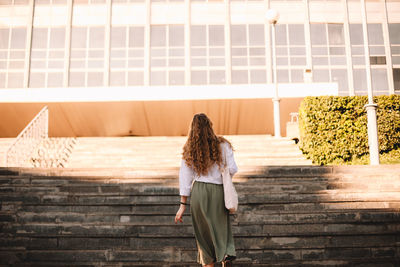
[(238, 116)]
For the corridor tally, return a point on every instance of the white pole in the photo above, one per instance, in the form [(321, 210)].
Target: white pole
[(275, 100), (370, 107)]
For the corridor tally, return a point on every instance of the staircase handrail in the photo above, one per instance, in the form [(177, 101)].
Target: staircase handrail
[(29, 138)]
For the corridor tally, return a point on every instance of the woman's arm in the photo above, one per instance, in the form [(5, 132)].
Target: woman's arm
[(182, 208)]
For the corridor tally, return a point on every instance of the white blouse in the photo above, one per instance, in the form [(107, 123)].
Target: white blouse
[(214, 176)]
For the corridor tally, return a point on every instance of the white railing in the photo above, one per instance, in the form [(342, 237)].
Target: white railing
[(34, 148), (28, 140)]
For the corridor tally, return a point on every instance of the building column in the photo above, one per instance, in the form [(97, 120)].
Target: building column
[(228, 45), (107, 44), (67, 54), (28, 45), (347, 41), (147, 44), (188, 22), (307, 36), (268, 53), (388, 50)]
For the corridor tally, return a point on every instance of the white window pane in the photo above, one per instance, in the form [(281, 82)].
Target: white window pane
[(379, 80), (15, 80), (216, 35), (318, 34), (176, 77), (256, 35), (118, 37), (18, 38), (297, 76), (176, 35), (198, 35), (320, 75), (158, 36), (55, 79), (95, 79), (238, 35), (78, 38), (283, 76), (37, 79), (39, 38), (217, 77), (57, 38), (280, 33), (4, 38), (199, 77), (96, 37), (77, 79), (136, 37), (375, 35), (335, 33), (117, 78), (296, 34), (135, 78), (157, 78), (258, 76), (239, 77)]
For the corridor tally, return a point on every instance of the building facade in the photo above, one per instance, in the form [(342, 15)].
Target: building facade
[(138, 44)]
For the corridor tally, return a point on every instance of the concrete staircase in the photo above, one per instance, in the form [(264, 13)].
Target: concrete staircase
[(288, 216), (161, 151)]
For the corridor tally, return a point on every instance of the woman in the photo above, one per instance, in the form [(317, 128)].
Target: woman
[(203, 158)]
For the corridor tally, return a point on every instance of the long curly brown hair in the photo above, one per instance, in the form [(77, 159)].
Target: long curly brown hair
[(202, 148)]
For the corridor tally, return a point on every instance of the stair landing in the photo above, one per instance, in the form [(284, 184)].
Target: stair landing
[(166, 152)]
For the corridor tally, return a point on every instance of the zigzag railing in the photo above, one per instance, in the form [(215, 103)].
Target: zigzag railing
[(28, 140), (34, 148)]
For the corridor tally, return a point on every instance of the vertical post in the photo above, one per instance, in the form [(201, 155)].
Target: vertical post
[(388, 50), (188, 22), (276, 100), (107, 45), (67, 55), (370, 107), (28, 45), (347, 40), (147, 44), (228, 43), (268, 53)]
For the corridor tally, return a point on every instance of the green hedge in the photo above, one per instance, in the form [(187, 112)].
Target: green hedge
[(333, 130)]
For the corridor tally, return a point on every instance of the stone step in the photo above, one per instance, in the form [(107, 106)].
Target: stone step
[(160, 217), (158, 243), (381, 256)]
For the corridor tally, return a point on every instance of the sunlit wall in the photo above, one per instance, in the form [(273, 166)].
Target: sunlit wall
[(136, 43)]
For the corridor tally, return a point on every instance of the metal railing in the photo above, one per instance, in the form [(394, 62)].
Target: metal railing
[(27, 141), (34, 148), (53, 153)]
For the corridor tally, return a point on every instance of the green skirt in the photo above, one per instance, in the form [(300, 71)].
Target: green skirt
[(211, 223)]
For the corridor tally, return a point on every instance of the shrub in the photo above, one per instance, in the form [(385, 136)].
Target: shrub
[(333, 130)]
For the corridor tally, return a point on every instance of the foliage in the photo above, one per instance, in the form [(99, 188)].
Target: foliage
[(333, 130)]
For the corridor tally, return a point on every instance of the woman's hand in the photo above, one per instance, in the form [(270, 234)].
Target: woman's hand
[(179, 214)]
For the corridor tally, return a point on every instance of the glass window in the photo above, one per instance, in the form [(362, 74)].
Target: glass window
[(87, 56), (375, 35), (335, 32), (396, 77), (356, 34), (360, 81), (280, 33), (318, 34), (379, 80), (216, 35), (394, 33), (296, 34), (208, 54), (238, 35), (18, 38), (239, 76)]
